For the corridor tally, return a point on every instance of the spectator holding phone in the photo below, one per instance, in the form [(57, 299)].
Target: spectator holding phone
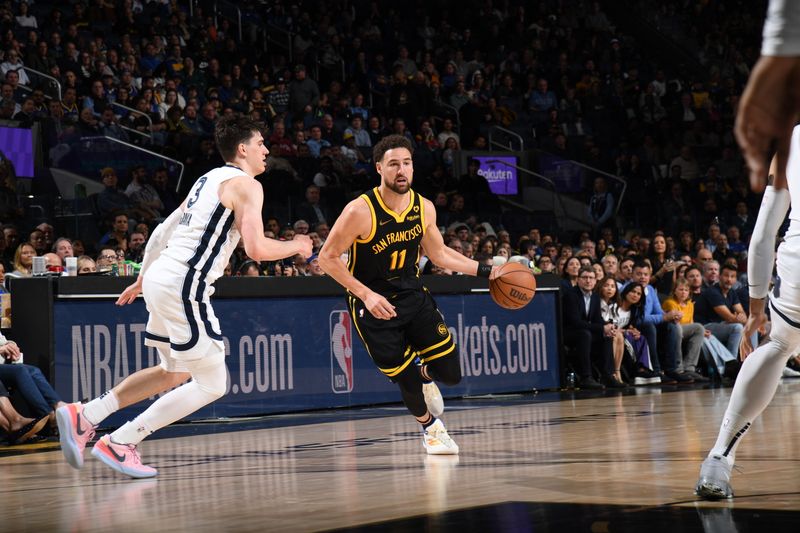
[(664, 266)]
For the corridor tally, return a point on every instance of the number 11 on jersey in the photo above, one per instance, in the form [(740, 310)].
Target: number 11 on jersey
[(398, 259)]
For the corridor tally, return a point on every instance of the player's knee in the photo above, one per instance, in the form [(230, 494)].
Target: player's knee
[(178, 378), (215, 388), (446, 371), (451, 379), (211, 378)]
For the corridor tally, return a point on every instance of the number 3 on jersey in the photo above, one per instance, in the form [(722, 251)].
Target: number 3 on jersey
[(397, 264), (193, 200)]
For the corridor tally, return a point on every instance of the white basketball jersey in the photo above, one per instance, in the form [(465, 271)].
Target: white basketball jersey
[(788, 256), (206, 235)]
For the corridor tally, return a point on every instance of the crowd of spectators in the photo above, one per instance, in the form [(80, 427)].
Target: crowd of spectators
[(563, 75), (575, 81)]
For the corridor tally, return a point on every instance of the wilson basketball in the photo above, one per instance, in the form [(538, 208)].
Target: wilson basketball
[(514, 286)]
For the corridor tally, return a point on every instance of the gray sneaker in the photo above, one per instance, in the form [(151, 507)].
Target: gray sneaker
[(715, 479)]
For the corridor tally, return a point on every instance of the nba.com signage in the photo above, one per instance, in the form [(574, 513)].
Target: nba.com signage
[(289, 354)]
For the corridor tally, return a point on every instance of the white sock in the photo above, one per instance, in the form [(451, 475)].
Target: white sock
[(170, 408), (730, 436), (133, 432), (101, 407)]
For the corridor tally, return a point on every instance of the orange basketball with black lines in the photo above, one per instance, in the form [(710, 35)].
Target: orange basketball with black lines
[(514, 286)]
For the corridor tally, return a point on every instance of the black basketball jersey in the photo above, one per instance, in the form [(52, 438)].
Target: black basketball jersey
[(387, 261)]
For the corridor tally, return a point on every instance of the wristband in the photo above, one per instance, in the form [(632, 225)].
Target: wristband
[(484, 270)]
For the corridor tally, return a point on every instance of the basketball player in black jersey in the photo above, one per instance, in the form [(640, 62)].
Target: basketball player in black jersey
[(384, 231)]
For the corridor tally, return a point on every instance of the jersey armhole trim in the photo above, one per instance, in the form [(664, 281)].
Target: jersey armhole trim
[(422, 213), (373, 221)]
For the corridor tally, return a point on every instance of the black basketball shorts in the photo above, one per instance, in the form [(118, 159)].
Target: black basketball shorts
[(418, 330)]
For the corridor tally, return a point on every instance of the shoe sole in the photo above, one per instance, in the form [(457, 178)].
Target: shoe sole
[(446, 451), (68, 445), (115, 465), (712, 492)]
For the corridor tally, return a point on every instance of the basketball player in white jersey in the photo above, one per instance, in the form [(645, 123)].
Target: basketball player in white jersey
[(183, 258), (762, 369)]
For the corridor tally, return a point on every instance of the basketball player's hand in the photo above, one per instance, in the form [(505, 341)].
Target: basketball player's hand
[(306, 246), (493, 274), (768, 110), (379, 306), (131, 292), (755, 322)]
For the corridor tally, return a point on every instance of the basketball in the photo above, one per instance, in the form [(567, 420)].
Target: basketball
[(514, 286)]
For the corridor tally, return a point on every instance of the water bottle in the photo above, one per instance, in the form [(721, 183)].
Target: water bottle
[(571, 380)]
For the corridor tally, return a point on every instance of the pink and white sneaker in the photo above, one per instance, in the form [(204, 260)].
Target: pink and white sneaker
[(74, 432), (122, 457)]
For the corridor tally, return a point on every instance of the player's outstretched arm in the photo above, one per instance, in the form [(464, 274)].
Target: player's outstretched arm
[(443, 256), (761, 253), (354, 222), (245, 197)]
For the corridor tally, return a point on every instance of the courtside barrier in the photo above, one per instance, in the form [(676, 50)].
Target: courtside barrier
[(290, 342)]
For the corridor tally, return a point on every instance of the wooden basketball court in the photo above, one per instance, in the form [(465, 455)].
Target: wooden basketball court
[(548, 462)]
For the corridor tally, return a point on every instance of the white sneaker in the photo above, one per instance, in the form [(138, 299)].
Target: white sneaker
[(433, 399), (715, 479), (437, 441), (790, 373)]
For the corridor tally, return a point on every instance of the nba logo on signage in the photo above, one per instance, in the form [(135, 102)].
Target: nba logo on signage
[(341, 352)]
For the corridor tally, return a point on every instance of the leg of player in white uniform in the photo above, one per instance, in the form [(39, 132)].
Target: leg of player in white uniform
[(205, 363), (755, 386)]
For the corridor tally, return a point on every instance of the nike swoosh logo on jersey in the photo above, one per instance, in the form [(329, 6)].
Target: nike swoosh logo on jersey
[(78, 429), (120, 458), (384, 222)]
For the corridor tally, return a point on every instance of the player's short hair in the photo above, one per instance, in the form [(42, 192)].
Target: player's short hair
[(232, 131), (390, 142)]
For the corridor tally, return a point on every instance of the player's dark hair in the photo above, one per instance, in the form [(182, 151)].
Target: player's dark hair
[(390, 142), (232, 131)]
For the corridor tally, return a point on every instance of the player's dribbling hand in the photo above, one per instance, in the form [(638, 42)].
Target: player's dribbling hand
[(305, 244), (379, 306), (130, 293), (755, 322)]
